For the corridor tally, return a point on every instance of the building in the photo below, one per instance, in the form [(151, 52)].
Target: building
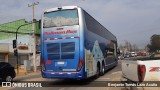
[(24, 41)]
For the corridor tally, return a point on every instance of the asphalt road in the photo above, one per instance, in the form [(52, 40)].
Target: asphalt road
[(113, 74)]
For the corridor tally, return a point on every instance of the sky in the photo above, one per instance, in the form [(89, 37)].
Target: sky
[(132, 20)]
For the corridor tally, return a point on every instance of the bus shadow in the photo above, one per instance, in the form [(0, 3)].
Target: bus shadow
[(72, 83), (90, 82), (110, 70)]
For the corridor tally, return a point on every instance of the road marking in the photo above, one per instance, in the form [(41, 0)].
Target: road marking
[(118, 72), (61, 88), (103, 79)]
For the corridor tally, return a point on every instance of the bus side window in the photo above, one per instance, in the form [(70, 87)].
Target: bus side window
[(110, 53), (105, 54)]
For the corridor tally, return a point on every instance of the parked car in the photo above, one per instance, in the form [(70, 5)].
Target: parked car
[(120, 57), (7, 72), (126, 55), (133, 54)]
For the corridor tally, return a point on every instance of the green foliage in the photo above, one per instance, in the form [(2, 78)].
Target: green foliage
[(7, 30), (154, 45)]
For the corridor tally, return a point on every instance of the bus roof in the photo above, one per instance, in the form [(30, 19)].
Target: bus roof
[(73, 7), (61, 7)]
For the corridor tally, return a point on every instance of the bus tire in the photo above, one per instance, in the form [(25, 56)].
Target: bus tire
[(103, 69), (98, 71)]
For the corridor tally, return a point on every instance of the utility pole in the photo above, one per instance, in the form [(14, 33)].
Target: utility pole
[(33, 36)]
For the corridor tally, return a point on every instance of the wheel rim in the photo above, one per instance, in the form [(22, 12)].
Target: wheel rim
[(8, 78), (103, 69)]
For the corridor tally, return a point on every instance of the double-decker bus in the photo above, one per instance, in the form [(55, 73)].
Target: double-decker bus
[(74, 45)]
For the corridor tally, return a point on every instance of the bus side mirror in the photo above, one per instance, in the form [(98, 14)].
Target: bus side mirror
[(110, 54), (118, 51), (39, 24)]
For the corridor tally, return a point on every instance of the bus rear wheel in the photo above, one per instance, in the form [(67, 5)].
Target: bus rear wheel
[(103, 70), (98, 72)]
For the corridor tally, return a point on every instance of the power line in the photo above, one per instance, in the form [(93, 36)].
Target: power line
[(4, 31)]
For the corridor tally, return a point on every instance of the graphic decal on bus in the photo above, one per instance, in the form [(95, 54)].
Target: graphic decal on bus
[(89, 62), (96, 51), (60, 18), (92, 58), (63, 33), (60, 32)]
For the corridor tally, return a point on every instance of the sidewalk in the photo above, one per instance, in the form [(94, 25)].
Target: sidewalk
[(22, 72), (23, 75)]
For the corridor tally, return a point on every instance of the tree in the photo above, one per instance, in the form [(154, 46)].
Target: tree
[(154, 45), (134, 47)]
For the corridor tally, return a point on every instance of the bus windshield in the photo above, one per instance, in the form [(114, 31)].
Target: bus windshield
[(60, 18)]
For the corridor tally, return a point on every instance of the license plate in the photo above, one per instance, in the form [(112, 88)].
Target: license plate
[(60, 62)]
